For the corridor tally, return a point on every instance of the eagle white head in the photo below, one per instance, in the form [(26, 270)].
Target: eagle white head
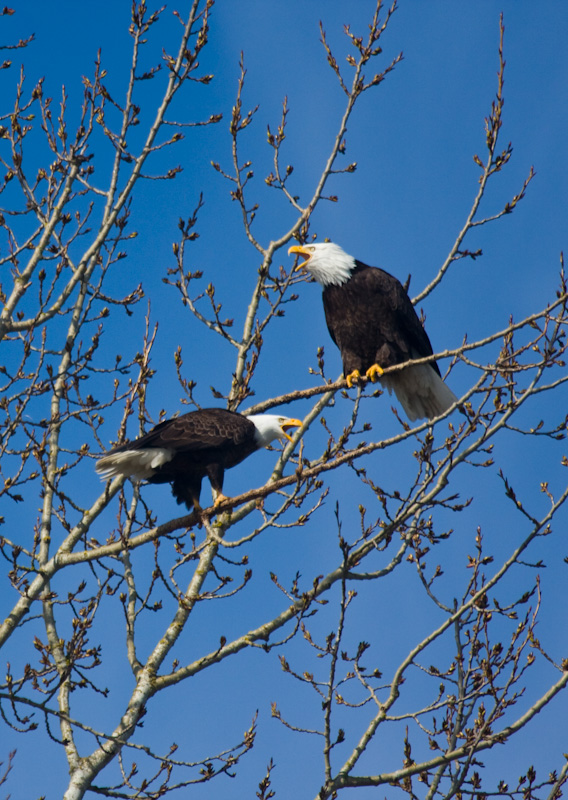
[(272, 426), (326, 262)]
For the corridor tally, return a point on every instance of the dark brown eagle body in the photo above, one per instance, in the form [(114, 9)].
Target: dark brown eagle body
[(372, 321), (206, 444), (184, 450)]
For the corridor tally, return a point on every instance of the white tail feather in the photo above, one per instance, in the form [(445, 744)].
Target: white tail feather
[(138, 464), (420, 391)]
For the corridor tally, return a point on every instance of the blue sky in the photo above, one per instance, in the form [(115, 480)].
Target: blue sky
[(413, 139)]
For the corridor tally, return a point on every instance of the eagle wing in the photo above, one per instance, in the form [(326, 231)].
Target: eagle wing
[(407, 330), (199, 430)]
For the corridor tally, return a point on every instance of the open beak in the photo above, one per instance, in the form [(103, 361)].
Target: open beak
[(300, 250), (290, 423)]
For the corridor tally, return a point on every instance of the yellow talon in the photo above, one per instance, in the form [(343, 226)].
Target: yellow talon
[(219, 499), (352, 378), (374, 372)]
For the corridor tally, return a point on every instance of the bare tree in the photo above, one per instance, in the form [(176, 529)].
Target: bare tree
[(459, 687)]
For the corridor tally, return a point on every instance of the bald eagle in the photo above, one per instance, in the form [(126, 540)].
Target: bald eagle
[(374, 324), (183, 450)]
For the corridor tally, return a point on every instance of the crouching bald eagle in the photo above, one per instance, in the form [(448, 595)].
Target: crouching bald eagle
[(374, 324), (183, 450)]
